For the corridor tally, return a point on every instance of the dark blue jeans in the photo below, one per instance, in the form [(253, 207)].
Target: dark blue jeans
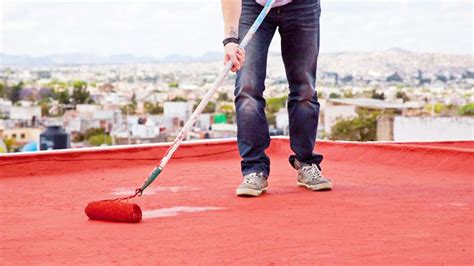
[(298, 25)]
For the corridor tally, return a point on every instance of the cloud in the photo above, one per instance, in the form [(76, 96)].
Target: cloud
[(194, 27)]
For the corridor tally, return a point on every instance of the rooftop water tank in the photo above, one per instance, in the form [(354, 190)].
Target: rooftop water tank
[(54, 138)]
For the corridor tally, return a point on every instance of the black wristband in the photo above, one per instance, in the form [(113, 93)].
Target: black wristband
[(230, 39)]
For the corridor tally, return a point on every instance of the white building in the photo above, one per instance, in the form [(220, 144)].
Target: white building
[(433, 128), (203, 121), (87, 108), (181, 110), (25, 113), (282, 120), (224, 130), (91, 116), (5, 107), (148, 130), (345, 108)]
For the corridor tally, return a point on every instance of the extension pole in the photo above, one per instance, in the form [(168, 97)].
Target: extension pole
[(181, 135)]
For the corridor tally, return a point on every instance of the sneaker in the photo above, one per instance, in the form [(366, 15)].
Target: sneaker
[(310, 176), (254, 184)]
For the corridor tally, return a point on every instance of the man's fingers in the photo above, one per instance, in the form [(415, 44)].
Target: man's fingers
[(234, 58), (241, 53), (235, 61), (241, 59)]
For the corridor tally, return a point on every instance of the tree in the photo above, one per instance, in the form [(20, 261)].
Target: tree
[(153, 109), (129, 109), (80, 94), (45, 94), (79, 84), (209, 109), (9, 143), (95, 137), (360, 128), (29, 94), (271, 118), (93, 131), (100, 139), (227, 108), (223, 97), (438, 108), (274, 104), (44, 108), (402, 95), (2, 90), (467, 110), (15, 92), (334, 95), (173, 84), (379, 96), (348, 94), (320, 95), (56, 84), (179, 99), (450, 110), (63, 97)]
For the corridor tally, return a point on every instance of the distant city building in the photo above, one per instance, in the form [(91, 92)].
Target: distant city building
[(5, 107), (433, 128), (224, 130), (344, 108), (282, 120), (21, 113), (92, 116), (181, 110), (21, 136), (204, 121)]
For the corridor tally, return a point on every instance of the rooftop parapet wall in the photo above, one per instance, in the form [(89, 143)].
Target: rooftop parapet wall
[(457, 156)]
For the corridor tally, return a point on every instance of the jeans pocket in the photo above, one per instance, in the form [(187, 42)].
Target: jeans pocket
[(307, 17)]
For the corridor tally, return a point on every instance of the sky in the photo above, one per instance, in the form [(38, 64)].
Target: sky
[(193, 27)]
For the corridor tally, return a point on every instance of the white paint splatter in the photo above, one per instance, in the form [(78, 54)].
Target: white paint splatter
[(453, 204), (457, 204), (173, 211), (121, 191)]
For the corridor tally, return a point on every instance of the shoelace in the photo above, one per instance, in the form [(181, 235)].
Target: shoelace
[(312, 172), (253, 179)]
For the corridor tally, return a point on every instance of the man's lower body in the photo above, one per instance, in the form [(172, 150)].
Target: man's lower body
[(298, 26)]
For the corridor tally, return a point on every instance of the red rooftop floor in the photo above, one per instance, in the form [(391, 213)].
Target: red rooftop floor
[(391, 203)]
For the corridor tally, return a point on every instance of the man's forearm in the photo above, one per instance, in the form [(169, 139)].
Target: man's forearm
[(231, 11)]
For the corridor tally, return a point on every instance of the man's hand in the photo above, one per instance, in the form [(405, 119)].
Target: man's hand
[(234, 53)]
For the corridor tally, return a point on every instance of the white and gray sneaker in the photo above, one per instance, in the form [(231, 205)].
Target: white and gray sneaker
[(310, 176), (254, 184)]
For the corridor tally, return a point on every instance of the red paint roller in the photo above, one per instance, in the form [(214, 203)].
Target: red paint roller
[(118, 210), (114, 211)]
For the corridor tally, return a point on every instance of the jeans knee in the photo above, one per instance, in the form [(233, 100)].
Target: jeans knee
[(248, 86), (249, 101), (246, 106), (302, 93)]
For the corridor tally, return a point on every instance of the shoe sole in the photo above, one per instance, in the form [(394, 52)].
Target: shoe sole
[(242, 192), (323, 186)]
